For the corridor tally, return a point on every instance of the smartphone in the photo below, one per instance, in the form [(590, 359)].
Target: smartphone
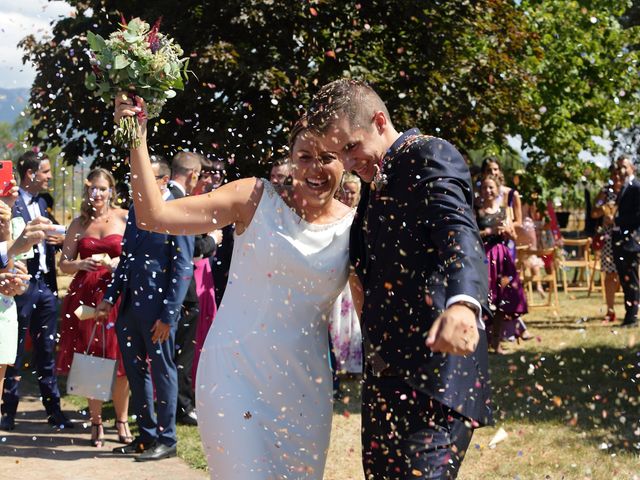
[(59, 229), (6, 175)]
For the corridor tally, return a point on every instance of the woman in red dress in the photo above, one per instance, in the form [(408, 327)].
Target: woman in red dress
[(97, 231)]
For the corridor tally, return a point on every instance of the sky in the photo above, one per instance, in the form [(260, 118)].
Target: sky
[(19, 18)]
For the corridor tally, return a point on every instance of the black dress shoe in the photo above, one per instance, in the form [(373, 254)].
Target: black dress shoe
[(58, 420), (157, 452), (8, 423), (189, 419), (137, 446)]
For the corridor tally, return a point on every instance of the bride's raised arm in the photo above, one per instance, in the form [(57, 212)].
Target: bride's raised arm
[(234, 202)]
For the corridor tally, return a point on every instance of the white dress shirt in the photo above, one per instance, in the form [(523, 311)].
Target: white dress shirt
[(34, 211)]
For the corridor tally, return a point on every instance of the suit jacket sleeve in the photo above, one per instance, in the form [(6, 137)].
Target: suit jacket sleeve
[(122, 270), (443, 184), (181, 272), (631, 219)]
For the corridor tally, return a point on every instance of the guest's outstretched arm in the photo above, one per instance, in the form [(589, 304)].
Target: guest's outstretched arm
[(234, 202)]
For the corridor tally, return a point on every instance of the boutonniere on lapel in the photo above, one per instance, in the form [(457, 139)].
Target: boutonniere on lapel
[(379, 179)]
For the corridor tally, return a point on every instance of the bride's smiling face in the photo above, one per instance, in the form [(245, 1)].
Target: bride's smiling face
[(316, 171)]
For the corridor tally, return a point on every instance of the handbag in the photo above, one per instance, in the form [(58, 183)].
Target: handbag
[(91, 376)]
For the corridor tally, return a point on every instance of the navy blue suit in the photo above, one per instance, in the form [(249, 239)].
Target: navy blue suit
[(415, 245), (626, 247), (152, 279), (37, 312)]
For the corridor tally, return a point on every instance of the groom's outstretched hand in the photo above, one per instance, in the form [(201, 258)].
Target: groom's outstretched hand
[(455, 331)]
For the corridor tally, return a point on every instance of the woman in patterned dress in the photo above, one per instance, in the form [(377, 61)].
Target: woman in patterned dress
[(605, 208)]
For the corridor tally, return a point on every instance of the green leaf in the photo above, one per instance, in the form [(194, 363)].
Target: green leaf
[(90, 81), (131, 37), (96, 42), (178, 83), (120, 62)]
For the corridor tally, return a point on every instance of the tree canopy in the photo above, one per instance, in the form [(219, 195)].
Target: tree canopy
[(553, 72)]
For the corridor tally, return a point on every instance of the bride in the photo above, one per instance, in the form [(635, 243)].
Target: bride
[(263, 388)]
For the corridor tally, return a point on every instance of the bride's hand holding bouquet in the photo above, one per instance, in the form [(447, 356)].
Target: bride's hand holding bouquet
[(140, 64), (129, 107)]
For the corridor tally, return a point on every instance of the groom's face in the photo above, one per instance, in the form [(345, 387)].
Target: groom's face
[(359, 148)]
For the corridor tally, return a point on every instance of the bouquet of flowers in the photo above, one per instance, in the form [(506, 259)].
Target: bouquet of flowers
[(140, 60)]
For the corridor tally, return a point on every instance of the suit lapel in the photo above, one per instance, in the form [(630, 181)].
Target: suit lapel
[(22, 210)]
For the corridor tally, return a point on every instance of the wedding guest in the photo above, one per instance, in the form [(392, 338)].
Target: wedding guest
[(14, 276), (152, 280), (97, 232), (350, 190), (527, 235), (509, 197), (37, 307), (13, 281), (344, 325), (221, 259), (187, 176), (218, 172), (512, 203), (211, 178), (505, 288), (626, 238), (605, 209), (280, 171)]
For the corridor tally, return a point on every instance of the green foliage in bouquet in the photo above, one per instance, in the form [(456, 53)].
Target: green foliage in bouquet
[(138, 59)]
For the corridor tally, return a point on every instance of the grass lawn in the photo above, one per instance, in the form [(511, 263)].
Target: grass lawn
[(569, 400)]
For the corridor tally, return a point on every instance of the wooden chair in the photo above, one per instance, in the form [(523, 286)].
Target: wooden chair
[(528, 277), (581, 261), (595, 267)]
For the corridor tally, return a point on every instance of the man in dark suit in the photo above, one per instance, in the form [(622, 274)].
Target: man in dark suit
[(151, 279), (186, 168), (37, 307), (417, 251), (626, 239), (220, 259)]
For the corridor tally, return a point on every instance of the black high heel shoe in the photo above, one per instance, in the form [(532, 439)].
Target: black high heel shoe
[(126, 439), (97, 440)]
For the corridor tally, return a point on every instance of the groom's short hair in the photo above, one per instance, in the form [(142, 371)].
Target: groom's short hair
[(345, 98)]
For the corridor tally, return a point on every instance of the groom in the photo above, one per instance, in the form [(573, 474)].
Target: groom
[(417, 251)]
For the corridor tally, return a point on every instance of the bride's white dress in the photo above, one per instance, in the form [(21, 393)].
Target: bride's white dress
[(263, 387)]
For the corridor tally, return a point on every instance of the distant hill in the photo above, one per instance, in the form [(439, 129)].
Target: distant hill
[(12, 102)]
